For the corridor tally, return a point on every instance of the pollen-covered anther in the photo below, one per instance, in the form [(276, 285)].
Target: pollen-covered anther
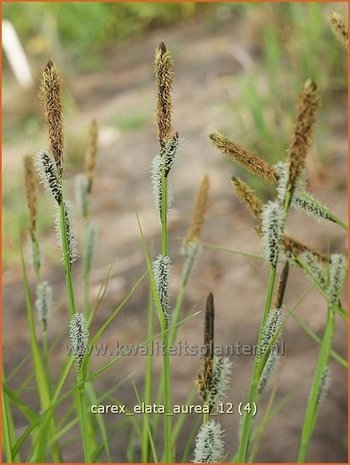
[(69, 235), (272, 230), (47, 171), (161, 270), (79, 338), (209, 446), (43, 302)]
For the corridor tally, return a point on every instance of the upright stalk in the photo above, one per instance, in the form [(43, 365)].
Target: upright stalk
[(247, 424), (66, 260), (83, 420), (311, 410), (165, 335), (148, 382)]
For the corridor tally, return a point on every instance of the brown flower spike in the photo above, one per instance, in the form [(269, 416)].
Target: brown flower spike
[(205, 380), (295, 248), (282, 284), (91, 152), (50, 94), (247, 197), (249, 160), (200, 208), (308, 104), (339, 28), (164, 66), (31, 187)]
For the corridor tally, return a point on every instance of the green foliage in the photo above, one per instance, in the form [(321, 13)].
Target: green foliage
[(85, 30)]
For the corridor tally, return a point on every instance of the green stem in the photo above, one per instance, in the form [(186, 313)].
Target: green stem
[(172, 337), (166, 360), (83, 421), (167, 400), (176, 314), (86, 270), (312, 407), (66, 259), (148, 383), (339, 222), (338, 358), (247, 423)]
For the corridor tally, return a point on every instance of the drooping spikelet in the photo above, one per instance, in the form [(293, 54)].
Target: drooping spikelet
[(308, 104), (161, 270), (209, 443), (199, 211), (294, 248), (70, 238), (268, 371), (339, 28), (43, 302), (31, 187), (47, 171), (79, 338), (248, 160), (90, 154), (164, 82), (315, 269), (337, 274), (169, 153), (81, 193), (219, 382), (272, 227), (248, 198), (50, 93), (282, 284), (270, 332)]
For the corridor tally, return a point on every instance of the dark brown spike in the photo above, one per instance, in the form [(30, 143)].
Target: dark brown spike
[(281, 289)]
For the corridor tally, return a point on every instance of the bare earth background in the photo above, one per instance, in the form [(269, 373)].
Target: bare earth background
[(122, 186)]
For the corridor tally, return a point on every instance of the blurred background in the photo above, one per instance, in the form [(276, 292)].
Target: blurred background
[(238, 68)]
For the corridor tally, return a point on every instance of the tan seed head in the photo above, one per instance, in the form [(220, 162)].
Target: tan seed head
[(248, 160), (339, 28), (164, 68), (50, 95), (199, 211), (247, 197), (308, 104)]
